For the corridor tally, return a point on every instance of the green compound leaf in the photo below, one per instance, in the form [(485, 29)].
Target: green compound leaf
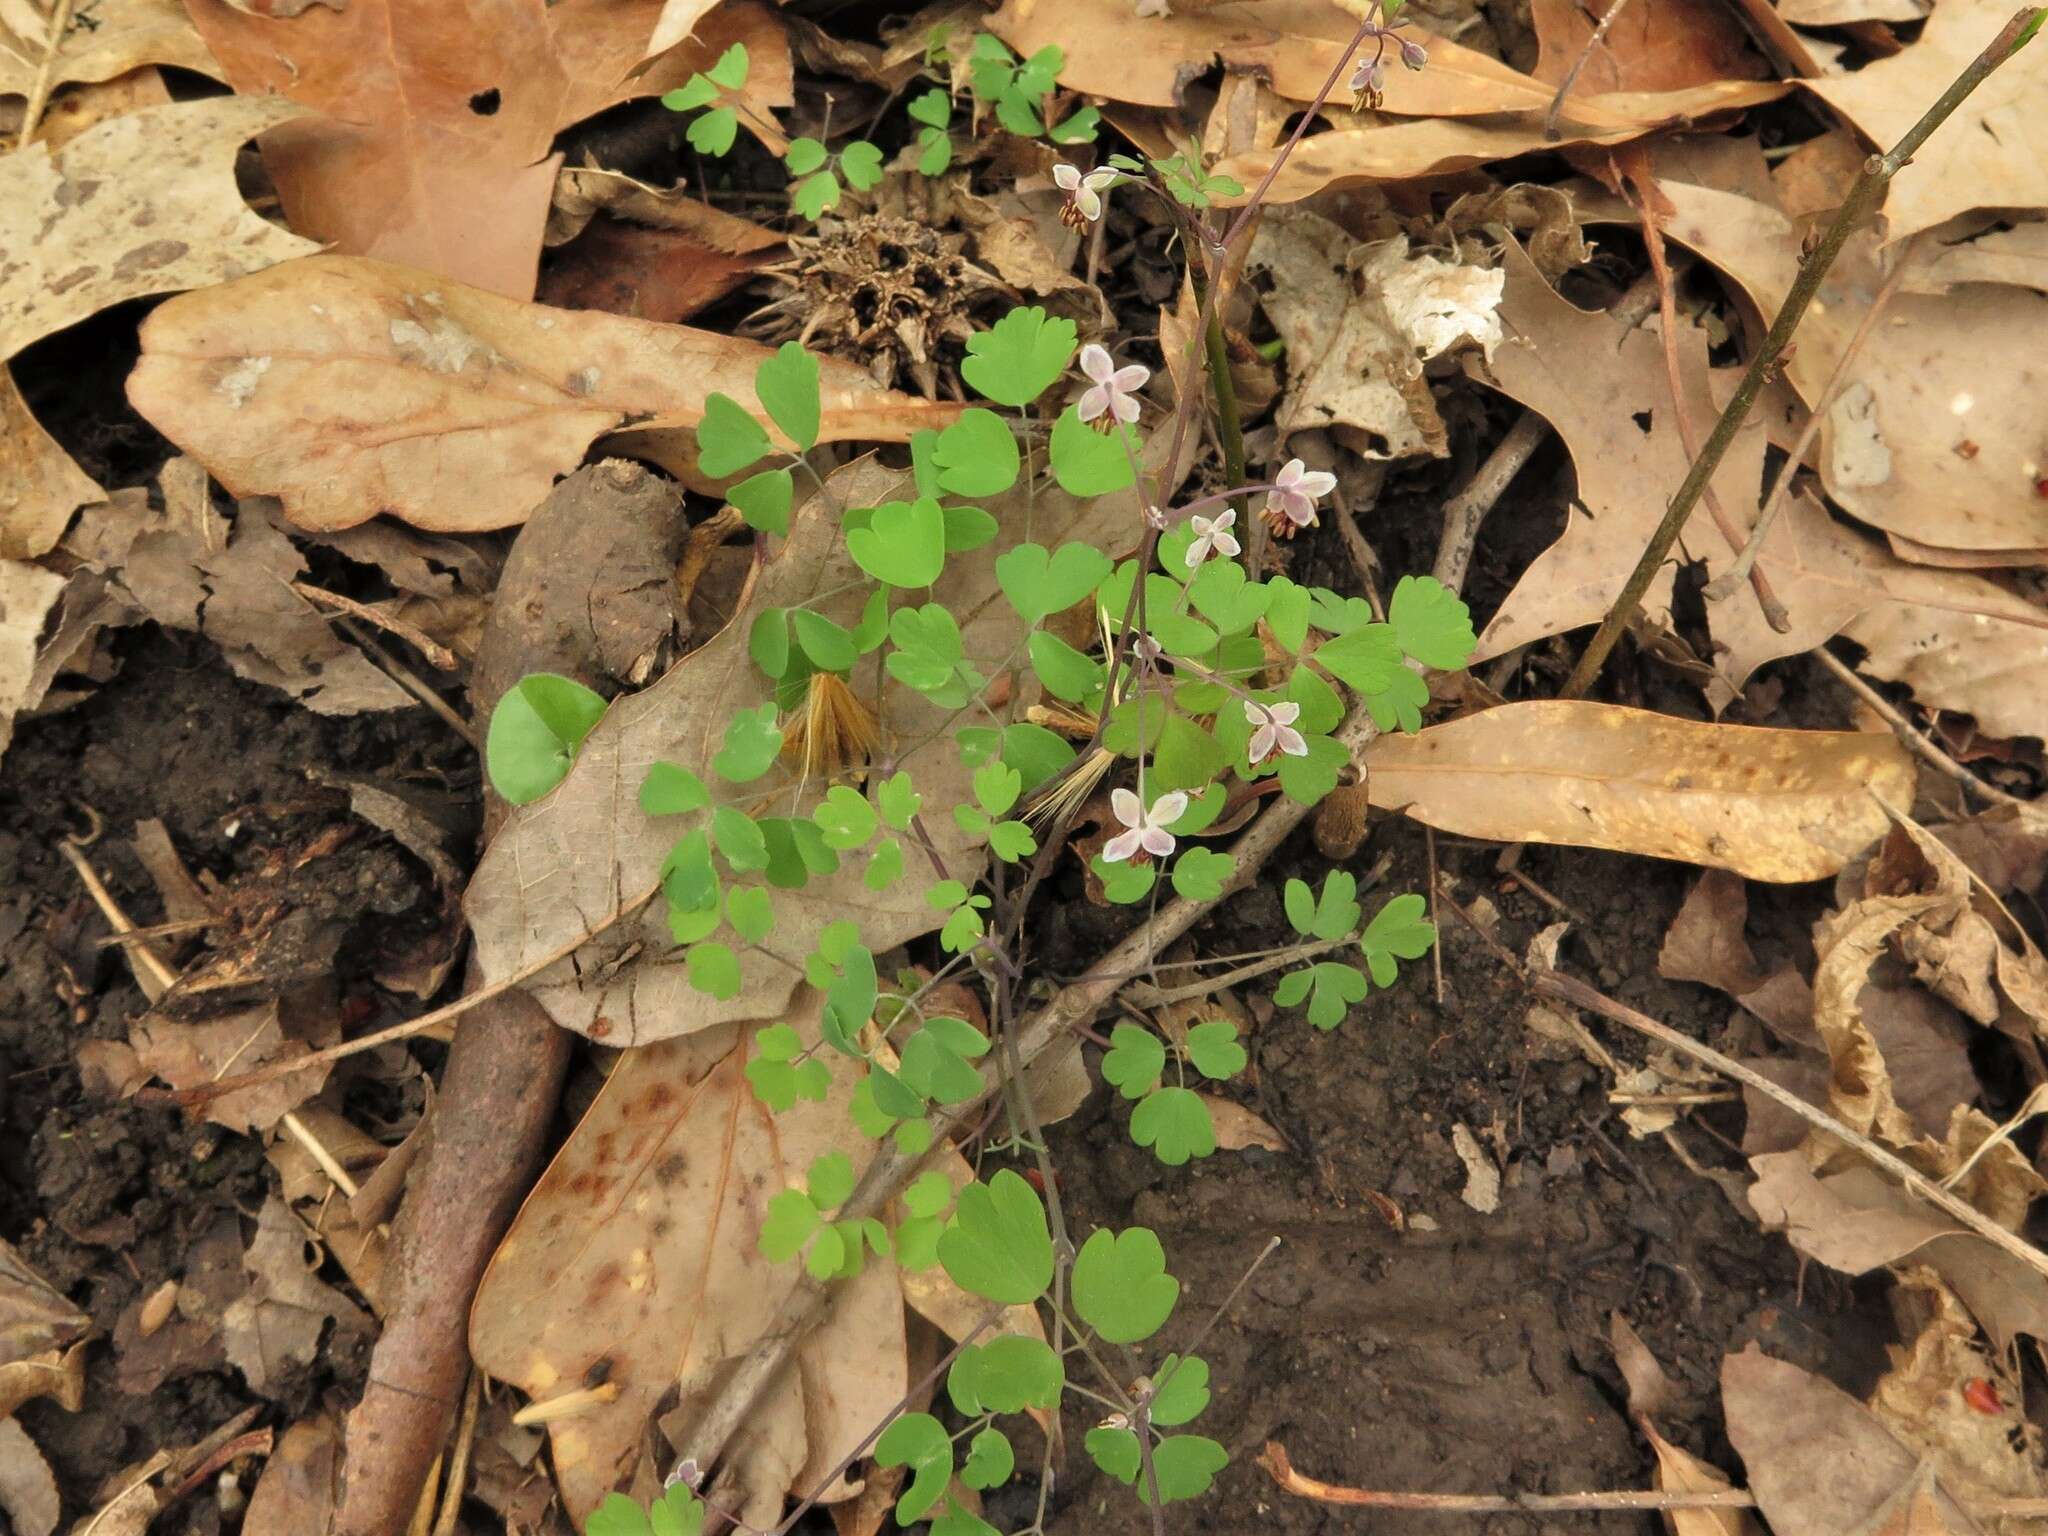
[(1006, 1375), (1330, 988), (845, 818), (1400, 705), (904, 543), (728, 437), (1038, 581), (739, 840), (696, 92), (920, 1442), (714, 969), (1308, 779), (1035, 752), (731, 69), (899, 800), (814, 194), (804, 156), (885, 866), (671, 790), (752, 742), (997, 786), (1175, 1124), (1287, 612), (1214, 1051), (714, 133), (1397, 930), (1226, 598), (929, 1193), (968, 528), (990, 1461), (960, 1521), (1066, 672), (764, 500), (778, 1042), (788, 1225), (1016, 113), (977, 455), (830, 1180), (751, 911), (674, 1513), (862, 164), (768, 641), (1199, 873), (1134, 1060), (534, 734), (934, 108), (828, 1257), (1091, 463), (796, 851), (1124, 882), (935, 152), (1115, 1451), (1121, 1287), (1186, 1466), (997, 1245), (1011, 841), (1367, 658), (1332, 917), (787, 386), (933, 1068), (1183, 1390), (1430, 622), (1080, 128), (1020, 357)]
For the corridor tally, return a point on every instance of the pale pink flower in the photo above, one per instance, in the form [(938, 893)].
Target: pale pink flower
[(1114, 394), (1273, 730), (1084, 193), (1369, 81), (1147, 829), (1296, 489), (1212, 536)]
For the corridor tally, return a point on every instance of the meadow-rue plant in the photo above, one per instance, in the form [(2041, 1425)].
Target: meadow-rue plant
[(1151, 662)]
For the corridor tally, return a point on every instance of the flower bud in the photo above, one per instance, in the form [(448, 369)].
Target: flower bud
[(1414, 55)]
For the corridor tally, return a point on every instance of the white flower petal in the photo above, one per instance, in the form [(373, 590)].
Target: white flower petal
[(1122, 846), (1286, 712), (1168, 809), (1099, 365), (1156, 841), (1065, 177), (1125, 804)]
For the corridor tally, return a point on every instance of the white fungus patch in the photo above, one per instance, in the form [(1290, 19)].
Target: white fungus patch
[(239, 382)]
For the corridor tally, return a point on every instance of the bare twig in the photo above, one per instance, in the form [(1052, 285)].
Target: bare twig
[(1916, 741), (435, 652), (1856, 210), (409, 680), (1571, 76), (1464, 512), (46, 74)]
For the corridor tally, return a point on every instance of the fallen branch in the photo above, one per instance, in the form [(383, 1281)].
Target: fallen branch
[(1857, 210), (1915, 741)]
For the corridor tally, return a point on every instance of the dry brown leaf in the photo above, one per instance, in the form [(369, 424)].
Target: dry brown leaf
[(27, 594), (1238, 1128), (101, 41), (2006, 847), (1771, 805), (349, 388), (142, 204), (1705, 942), (1819, 1462), (1984, 155), (276, 1325), (1650, 1392), (1482, 1178), (635, 1262), (41, 1338), (1432, 146), (1653, 45), (1890, 445), (301, 1482), (79, 107), (1360, 321), (1650, 1389), (1968, 643), (579, 859), (436, 122), (28, 1489), (1981, 1442), (40, 485)]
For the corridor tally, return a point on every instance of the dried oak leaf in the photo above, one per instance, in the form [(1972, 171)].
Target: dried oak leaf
[(27, 595), (276, 1325), (432, 125), (40, 485), (1819, 1462), (301, 1482), (348, 388), (1661, 45), (140, 205), (582, 861), (100, 42), (1768, 804), (42, 1338)]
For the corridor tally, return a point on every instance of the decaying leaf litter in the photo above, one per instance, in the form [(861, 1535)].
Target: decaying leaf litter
[(309, 312)]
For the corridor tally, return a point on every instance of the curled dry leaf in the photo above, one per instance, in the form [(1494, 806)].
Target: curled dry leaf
[(276, 1325), (1983, 155), (40, 485), (100, 42), (349, 388), (27, 595), (41, 1338), (161, 213), (635, 1263), (1360, 321), (1237, 1128), (1771, 805), (1819, 1462), (431, 143), (577, 862), (28, 1489)]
